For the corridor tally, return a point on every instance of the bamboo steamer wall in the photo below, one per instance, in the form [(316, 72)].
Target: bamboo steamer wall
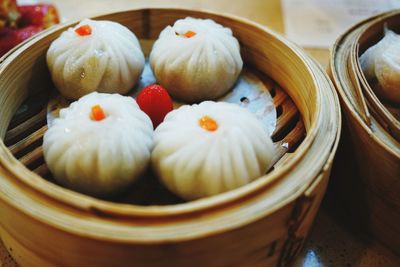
[(376, 200), (372, 194), (264, 223)]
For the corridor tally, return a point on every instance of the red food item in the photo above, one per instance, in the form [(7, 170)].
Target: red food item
[(43, 15), (8, 39), (97, 113), (189, 34), (155, 101), (208, 123), (11, 37), (8, 13), (84, 30), (18, 23), (6, 6)]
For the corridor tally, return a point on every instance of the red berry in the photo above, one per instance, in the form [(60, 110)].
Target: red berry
[(155, 101)]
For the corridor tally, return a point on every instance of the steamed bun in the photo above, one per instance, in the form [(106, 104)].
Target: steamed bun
[(101, 56), (196, 59), (99, 145), (209, 148)]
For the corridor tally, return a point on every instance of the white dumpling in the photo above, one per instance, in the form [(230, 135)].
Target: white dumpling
[(202, 65), (106, 57), (99, 157), (382, 61), (367, 62), (209, 148)]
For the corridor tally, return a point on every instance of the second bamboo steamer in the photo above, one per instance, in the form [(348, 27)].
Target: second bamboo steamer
[(370, 188)]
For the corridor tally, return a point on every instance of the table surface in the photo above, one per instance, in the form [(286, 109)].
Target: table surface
[(333, 241)]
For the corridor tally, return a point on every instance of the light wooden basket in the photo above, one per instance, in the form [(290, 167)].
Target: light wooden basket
[(264, 223), (372, 194)]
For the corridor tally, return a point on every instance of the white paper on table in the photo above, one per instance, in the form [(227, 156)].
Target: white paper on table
[(318, 23)]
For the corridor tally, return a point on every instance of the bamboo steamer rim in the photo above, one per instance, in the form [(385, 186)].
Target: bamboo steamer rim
[(337, 81), (126, 210)]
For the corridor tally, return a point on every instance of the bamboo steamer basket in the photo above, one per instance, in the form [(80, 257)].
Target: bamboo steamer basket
[(372, 194), (264, 223)]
